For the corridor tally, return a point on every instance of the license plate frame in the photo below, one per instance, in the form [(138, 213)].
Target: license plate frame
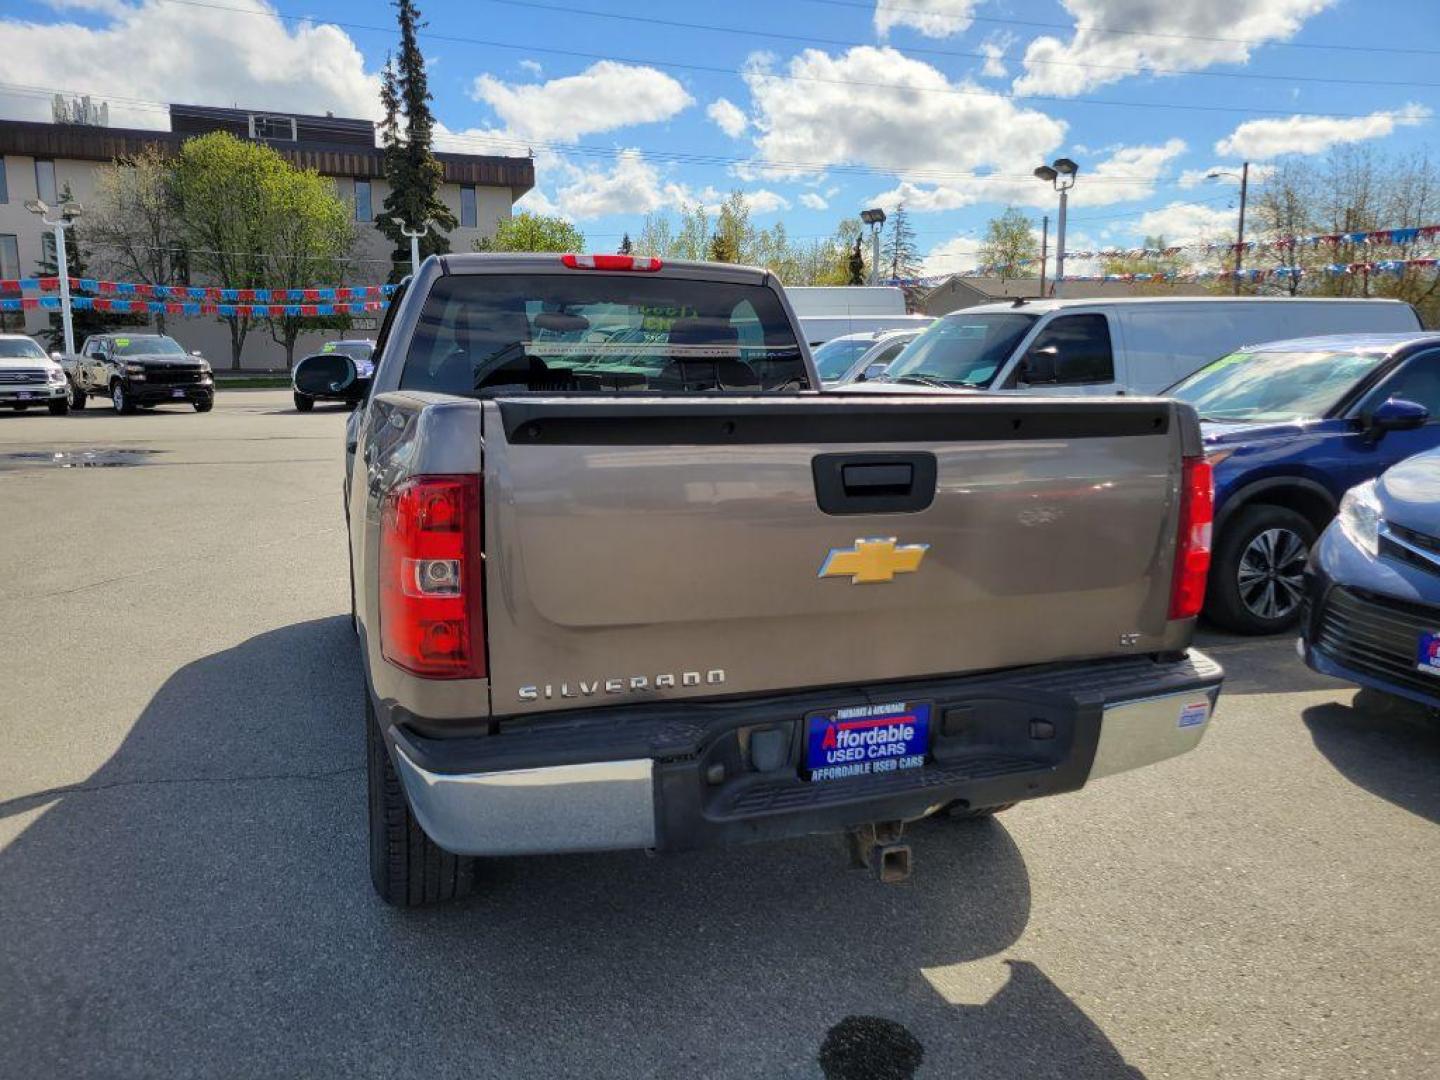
[(865, 740), (177, 393), (24, 395)]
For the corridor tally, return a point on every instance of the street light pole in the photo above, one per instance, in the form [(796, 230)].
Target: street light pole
[(1244, 177), (68, 211), (1061, 174), (1044, 244), (414, 236), (1240, 231), (875, 218)]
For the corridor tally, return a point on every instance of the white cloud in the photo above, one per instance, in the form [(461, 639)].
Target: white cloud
[(1229, 175), (1312, 134), (995, 47), (605, 96), (953, 256), (1184, 223), (814, 201), (532, 66), (194, 55), (1188, 34), (631, 186), (764, 201), (1128, 174), (916, 120), (933, 18), (728, 117)]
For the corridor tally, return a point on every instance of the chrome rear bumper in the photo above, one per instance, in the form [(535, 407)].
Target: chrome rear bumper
[(599, 806)]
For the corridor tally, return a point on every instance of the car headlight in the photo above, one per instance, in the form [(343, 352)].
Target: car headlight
[(57, 375), (1360, 517), (135, 371)]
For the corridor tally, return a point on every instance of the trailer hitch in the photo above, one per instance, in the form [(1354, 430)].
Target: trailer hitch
[(876, 847)]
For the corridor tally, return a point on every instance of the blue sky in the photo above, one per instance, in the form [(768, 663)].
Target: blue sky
[(815, 108)]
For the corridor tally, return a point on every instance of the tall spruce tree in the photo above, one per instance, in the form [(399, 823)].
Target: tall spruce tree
[(411, 169), (902, 257)]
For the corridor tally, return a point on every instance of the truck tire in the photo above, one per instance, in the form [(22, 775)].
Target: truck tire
[(204, 406), (406, 866), (120, 399), (77, 397), (59, 406), (1255, 580), (303, 403)]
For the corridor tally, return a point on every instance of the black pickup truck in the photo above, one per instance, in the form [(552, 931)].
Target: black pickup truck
[(135, 370)]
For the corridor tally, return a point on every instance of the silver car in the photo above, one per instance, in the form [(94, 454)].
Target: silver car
[(858, 357)]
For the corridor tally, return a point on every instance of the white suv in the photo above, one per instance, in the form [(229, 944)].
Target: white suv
[(29, 377)]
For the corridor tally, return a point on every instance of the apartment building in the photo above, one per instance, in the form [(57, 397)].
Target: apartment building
[(38, 160)]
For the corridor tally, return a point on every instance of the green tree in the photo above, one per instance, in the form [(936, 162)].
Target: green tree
[(311, 236), (134, 223), (626, 247), (901, 256), (84, 321), (411, 169), (1009, 247), (733, 230), (533, 232), (855, 264), (656, 236)]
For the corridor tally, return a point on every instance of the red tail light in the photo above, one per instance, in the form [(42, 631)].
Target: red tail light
[(643, 264), (1192, 549), (432, 617)]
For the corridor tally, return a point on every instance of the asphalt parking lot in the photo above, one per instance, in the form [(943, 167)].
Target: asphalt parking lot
[(184, 892)]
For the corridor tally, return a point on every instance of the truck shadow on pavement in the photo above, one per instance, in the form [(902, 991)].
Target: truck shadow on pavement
[(201, 906), (1395, 756)]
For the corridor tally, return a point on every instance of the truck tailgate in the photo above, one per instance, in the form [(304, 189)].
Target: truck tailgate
[(677, 547)]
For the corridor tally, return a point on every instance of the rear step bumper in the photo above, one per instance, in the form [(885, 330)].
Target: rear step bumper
[(682, 775)]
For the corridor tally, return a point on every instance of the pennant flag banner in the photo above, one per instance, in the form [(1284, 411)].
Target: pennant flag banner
[(192, 307), (1372, 238), (327, 294)]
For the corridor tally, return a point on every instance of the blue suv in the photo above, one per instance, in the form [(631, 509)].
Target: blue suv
[(1289, 427)]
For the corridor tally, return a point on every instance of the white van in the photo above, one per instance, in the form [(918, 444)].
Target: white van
[(806, 300), (1140, 345), (818, 329)]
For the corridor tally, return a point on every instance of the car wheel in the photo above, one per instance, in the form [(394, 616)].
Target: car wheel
[(59, 406), (204, 406), (1257, 578), (303, 403), (77, 397), (120, 399), (406, 866)]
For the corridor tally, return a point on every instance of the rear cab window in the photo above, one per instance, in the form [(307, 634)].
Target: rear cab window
[(481, 334)]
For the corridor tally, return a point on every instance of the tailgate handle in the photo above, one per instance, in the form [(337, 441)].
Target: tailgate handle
[(882, 483), (878, 479)]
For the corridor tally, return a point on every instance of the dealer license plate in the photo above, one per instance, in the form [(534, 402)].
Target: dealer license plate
[(1428, 659), (25, 395), (866, 740), (177, 393)]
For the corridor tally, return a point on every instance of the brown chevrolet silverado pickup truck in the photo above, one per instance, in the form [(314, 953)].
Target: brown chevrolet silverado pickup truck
[(623, 578)]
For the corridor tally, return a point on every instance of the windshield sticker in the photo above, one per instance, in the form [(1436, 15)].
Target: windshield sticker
[(122, 341), (329, 346), (660, 318)]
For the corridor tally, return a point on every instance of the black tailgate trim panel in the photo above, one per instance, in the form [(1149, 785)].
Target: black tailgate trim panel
[(720, 420)]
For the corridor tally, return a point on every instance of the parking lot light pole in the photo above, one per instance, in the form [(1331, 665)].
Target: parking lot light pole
[(1244, 177), (414, 236), (68, 211), (874, 218), (1061, 174)]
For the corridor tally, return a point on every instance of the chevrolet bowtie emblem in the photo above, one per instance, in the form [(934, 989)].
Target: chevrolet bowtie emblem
[(875, 560)]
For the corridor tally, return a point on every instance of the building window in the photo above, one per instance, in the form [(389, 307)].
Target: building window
[(9, 256), (4, 184), (467, 206), (45, 182), (363, 209), (280, 128)]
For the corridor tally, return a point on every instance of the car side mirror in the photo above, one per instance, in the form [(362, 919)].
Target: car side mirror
[(1038, 367), (1395, 414), (56, 355), (194, 352), (324, 374)]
